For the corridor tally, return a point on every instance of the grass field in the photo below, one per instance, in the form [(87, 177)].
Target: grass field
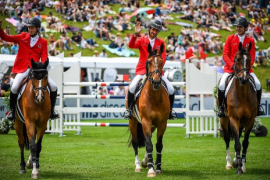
[(102, 153)]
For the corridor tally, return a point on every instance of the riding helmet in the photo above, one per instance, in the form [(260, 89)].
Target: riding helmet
[(241, 21), (34, 22), (156, 24)]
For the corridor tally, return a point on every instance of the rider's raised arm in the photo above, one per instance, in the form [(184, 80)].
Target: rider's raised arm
[(252, 52), (227, 52), (44, 53), (13, 38), (134, 42)]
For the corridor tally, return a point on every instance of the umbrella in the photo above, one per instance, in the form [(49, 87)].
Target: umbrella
[(145, 11)]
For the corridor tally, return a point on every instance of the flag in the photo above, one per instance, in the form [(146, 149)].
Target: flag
[(203, 55)]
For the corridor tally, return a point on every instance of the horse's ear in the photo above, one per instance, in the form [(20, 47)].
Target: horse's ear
[(240, 46), (33, 63), (249, 46), (46, 63), (149, 49)]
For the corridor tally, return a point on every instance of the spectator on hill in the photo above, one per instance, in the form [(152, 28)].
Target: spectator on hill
[(14, 49), (119, 41), (5, 49), (103, 54), (179, 51), (95, 54), (7, 30), (9, 10), (260, 58), (258, 32), (5, 86), (28, 5), (59, 27), (52, 49), (66, 41), (20, 9)]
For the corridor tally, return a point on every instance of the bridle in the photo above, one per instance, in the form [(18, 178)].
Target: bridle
[(40, 88), (156, 84), (244, 69)]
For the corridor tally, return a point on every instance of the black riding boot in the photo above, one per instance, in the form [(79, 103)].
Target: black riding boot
[(172, 113), (127, 113), (221, 95), (53, 97), (12, 104), (260, 111)]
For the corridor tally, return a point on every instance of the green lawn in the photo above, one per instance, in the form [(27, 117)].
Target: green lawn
[(102, 153)]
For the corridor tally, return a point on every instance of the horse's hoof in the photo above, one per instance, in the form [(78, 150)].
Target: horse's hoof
[(22, 171), (239, 171), (34, 176), (234, 164), (144, 165), (244, 170), (29, 165), (151, 173), (138, 170), (228, 167), (158, 171)]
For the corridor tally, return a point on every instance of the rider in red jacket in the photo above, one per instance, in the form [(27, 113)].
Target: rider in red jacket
[(31, 46), (230, 50), (141, 43)]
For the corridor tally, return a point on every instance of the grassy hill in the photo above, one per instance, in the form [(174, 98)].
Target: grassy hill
[(262, 72)]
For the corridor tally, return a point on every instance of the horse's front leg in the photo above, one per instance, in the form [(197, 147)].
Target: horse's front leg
[(149, 147), (19, 131), (159, 146), (237, 146), (33, 147), (245, 143), (133, 125)]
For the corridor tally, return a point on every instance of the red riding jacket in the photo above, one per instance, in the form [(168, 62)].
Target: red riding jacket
[(231, 48), (25, 53), (141, 43)]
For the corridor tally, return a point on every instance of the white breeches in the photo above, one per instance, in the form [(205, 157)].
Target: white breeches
[(137, 78), (20, 76), (225, 75)]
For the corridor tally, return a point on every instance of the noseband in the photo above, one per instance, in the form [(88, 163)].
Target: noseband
[(156, 84), (244, 69), (44, 88)]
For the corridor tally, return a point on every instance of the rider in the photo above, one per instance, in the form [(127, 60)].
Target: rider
[(230, 50), (141, 43), (31, 46)]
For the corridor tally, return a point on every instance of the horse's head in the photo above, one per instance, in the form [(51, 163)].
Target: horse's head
[(39, 79), (242, 63), (154, 66)]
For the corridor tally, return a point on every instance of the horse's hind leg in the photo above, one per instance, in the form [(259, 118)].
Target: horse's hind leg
[(19, 131), (133, 124), (226, 132), (159, 146), (237, 146), (245, 144), (149, 147)]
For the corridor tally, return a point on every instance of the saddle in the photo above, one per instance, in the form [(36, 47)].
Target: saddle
[(134, 109)]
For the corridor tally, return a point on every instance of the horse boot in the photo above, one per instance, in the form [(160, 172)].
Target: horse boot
[(127, 113), (260, 111), (12, 103), (221, 95), (173, 115), (53, 96)]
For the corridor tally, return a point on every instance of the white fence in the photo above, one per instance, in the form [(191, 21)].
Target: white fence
[(200, 82)]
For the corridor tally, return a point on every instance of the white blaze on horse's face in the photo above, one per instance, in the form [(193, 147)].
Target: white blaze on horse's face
[(156, 64), (245, 62), (40, 91)]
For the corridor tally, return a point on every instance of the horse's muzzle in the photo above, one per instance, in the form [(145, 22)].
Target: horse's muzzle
[(243, 80), (39, 99), (156, 84)]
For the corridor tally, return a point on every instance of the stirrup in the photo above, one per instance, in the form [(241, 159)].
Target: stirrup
[(127, 114), (221, 113), (11, 115), (260, 111), (173, 115), (54, 115)]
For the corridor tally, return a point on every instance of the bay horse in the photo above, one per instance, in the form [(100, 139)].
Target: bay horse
[(154, 109), (36, 108), (241, 109)]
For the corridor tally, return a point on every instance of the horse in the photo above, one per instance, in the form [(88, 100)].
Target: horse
[(241, 105), (36, 108), (154, 109)]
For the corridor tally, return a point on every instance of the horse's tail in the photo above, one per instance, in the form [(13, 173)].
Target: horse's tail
[(26, 140), (140, 135)]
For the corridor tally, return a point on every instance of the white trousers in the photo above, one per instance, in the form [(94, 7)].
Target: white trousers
[(20, 76), (137, 78), (225, 75)]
